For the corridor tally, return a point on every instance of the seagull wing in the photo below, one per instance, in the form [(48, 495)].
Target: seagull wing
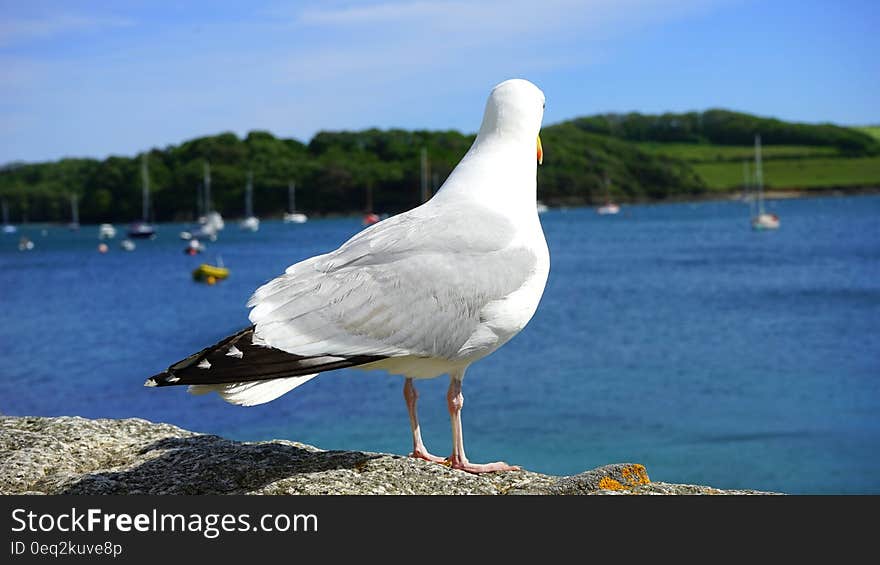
[(415, 284)]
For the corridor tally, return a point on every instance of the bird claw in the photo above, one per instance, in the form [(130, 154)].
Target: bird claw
[(425, 456)]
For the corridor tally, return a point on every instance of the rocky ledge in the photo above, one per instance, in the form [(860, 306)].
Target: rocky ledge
[(71, 455)]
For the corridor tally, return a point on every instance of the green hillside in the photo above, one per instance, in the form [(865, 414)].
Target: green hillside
[(873, 131), (809, 173), (720, 167), (707, 153), (644, 158), (715, 143), (723, 127), (333, 173)]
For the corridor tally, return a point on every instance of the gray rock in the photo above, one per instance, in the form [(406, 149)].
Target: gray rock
[(72, 455), (616, 477)]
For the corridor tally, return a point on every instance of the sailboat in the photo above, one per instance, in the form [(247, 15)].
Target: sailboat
[(370, 217), (74, 213), (250, 222), (143, 229), (293, 217), (761, 220), (106, 231), (7, 227), (609, 208), (211, 222)]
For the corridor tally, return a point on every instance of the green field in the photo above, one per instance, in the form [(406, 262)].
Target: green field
[(785, 166), (706, 153), (796, 173), (873, 131)]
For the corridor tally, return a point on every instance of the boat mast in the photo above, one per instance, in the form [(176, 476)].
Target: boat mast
[(291, 197), (747, 188), (145, 179), (425, 194), (199, 201), (74, 209), (206, 171), (249, 195), (759, 177)]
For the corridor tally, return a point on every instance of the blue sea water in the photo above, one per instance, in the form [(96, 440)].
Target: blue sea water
[(670, 335)]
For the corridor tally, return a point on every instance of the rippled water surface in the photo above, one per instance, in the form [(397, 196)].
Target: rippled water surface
[(670, 335)]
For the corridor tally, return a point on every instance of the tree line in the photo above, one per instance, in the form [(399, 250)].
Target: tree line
[(723, 127), (341, 172)]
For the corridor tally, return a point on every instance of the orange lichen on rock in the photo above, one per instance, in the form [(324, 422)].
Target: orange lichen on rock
[(632, 475), (607, 483), (635, 474)]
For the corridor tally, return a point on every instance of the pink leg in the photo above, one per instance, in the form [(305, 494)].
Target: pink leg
[(419, 451), (458, 460)]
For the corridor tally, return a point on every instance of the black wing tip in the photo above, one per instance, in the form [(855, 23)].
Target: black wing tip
[(165, 378), (267, 363)]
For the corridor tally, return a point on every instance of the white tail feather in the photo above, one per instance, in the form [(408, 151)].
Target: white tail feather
[(253, 392)]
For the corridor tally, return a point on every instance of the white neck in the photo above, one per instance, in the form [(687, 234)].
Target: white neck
[(498, 172)]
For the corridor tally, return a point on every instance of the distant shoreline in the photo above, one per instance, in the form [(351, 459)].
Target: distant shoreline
[(709, 196), (782, 194), (732, 196), (769, 194)]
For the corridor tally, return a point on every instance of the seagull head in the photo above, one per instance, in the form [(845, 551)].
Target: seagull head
[(514, 110)]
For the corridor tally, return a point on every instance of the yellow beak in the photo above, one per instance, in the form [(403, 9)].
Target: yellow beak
[(540, 152)]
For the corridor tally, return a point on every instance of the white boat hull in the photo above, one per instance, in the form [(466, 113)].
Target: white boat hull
[(295, 218), (251, 223), (106, 231), (765, 222), (213, 221), (608, 209)]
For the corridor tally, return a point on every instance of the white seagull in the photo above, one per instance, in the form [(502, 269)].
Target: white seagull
[(421, 294)]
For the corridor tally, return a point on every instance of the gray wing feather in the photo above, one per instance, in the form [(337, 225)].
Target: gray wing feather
[(414, 284)]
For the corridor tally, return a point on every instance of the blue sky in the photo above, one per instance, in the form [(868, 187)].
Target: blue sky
[(90, 79)]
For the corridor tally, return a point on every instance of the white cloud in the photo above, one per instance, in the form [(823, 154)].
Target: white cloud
[(499, 18), (368, 41), (385, 12), (296, 70), (20, 30)]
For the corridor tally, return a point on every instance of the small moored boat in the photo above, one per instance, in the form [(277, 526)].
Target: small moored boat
[(210, 274), (609, 208), (193, 247), (106, 231)]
